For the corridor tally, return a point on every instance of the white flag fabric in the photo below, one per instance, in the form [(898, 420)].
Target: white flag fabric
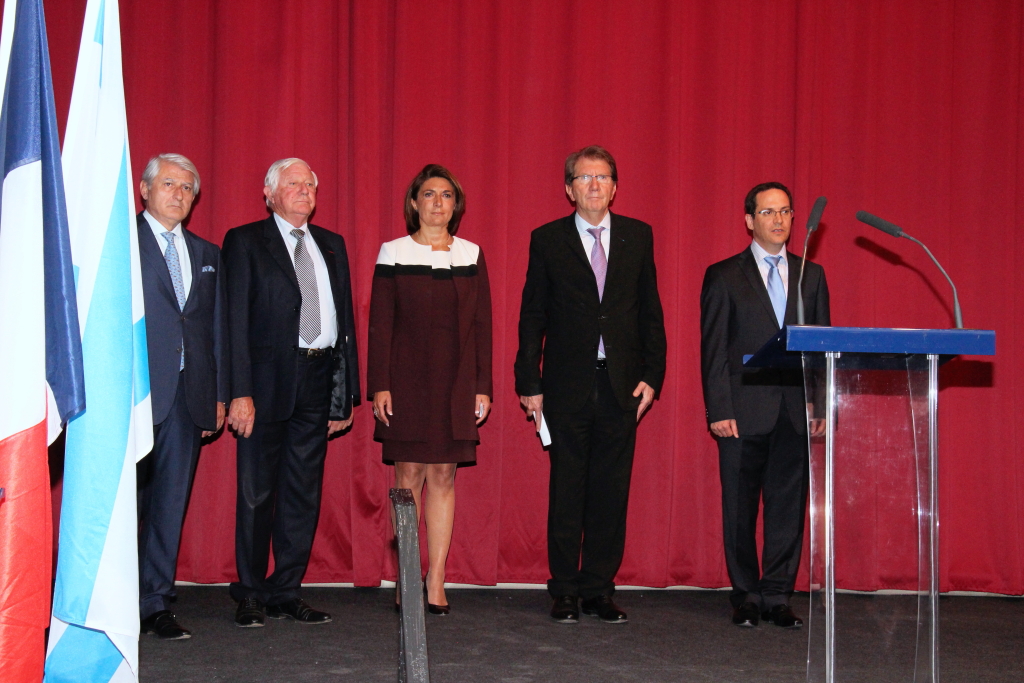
[(94, 630)]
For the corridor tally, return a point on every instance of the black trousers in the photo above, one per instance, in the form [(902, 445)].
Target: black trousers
[(773, 466), (591, 464), (163, 484), (280, 470)]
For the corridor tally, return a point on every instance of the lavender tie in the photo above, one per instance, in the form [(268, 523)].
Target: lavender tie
[(599, 262)]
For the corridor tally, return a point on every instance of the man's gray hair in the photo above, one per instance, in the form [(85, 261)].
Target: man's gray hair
[(153, 167), (277, 168)]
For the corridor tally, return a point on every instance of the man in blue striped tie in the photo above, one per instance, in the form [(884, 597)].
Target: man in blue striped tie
[(758, 416), (186, 331)]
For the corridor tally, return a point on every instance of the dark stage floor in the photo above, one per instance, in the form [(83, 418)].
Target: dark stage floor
[(506, 635)]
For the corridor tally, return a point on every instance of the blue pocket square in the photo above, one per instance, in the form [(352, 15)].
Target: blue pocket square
[(208, 269)]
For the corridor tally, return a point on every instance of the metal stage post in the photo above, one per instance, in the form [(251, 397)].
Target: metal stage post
[(412, 647)]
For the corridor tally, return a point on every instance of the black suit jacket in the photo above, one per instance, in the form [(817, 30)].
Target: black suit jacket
[(202, 325), (736, 319), (562, 318), (264, 319)]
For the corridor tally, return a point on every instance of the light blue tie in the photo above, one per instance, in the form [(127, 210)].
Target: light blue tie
[(174, 268), (776, 292)]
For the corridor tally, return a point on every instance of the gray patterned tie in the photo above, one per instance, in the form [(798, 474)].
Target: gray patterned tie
[(599, 262), (309, 317), (174, 268)]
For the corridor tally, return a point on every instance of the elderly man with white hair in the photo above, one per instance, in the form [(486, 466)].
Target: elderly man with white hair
[(295, 380)]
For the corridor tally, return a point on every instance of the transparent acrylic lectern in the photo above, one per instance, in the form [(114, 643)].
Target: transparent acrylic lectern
[(872, 403)]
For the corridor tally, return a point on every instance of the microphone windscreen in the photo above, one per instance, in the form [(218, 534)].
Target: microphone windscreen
[(882, 224), (819, 208)]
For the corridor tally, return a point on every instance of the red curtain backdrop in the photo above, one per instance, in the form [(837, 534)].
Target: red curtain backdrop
[(913, 111)]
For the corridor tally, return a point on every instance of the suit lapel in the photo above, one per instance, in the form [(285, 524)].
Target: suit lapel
[(794, 275), (194, 264), (619, 242), (151, 258), (329, 259), (575, 245), (753, 275), (275, 245)]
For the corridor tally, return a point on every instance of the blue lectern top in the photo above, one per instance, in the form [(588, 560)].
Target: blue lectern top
[(784, 349)]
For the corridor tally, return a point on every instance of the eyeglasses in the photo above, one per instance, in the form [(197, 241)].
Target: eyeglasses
[(599, 178), (769, 213)]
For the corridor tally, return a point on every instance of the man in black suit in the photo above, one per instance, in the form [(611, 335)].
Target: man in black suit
[(186, 332), (295, 381), (591, 310), (757, 416)]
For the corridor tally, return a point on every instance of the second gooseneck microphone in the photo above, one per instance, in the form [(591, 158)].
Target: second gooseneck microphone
[(895, 230), (812, 225)]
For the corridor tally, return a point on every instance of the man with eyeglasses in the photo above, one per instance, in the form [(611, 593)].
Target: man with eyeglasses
[(592, 313), (758, 416)]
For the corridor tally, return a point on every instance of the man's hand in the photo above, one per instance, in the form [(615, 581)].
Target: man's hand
[(334, 426), (648, 398), (382, 406), (815, 424), (241, 415), (533, 406), (725, 428), (220, 420), (483, 407)]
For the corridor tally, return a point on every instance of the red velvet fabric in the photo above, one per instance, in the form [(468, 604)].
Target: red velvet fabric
[(913, 111)]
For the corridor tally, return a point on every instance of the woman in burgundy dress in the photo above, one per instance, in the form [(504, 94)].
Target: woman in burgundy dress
[(429, 369)]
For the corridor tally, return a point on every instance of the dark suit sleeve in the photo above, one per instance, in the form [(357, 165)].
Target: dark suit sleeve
[(651, 320), (533, 321), (482, 320), (381, 331), (239, 284), (345, 390), (221, 336), (714, 353)]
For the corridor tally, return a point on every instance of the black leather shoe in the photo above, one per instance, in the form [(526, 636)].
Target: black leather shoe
[(746, 615), (250, 613), (565, 610), (298, 610), (604, 609), (783, 616), (162, 625)]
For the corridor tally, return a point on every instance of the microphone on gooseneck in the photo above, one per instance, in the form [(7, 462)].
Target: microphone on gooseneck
[(895, 230), (812, 225)]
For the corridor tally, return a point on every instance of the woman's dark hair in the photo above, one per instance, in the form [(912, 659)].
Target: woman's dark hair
[(412, 216)]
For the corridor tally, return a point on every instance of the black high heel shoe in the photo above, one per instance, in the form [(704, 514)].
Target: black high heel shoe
[(439, 610)]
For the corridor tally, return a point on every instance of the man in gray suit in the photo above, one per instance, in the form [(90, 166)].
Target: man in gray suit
[(186, 331)]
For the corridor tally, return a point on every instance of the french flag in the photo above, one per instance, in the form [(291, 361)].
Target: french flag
[(41, 372)]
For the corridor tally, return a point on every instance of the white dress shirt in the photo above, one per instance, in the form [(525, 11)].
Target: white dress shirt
[(328, 314), (588, 244), (179, 246), (762, 267)]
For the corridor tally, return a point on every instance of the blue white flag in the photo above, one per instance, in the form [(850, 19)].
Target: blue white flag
[(94, 630)]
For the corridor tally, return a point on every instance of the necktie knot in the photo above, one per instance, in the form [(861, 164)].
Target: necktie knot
[(773, 261), (595, 233), (298, 234)]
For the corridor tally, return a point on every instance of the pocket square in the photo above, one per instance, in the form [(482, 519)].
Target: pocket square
[(208, 269)]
